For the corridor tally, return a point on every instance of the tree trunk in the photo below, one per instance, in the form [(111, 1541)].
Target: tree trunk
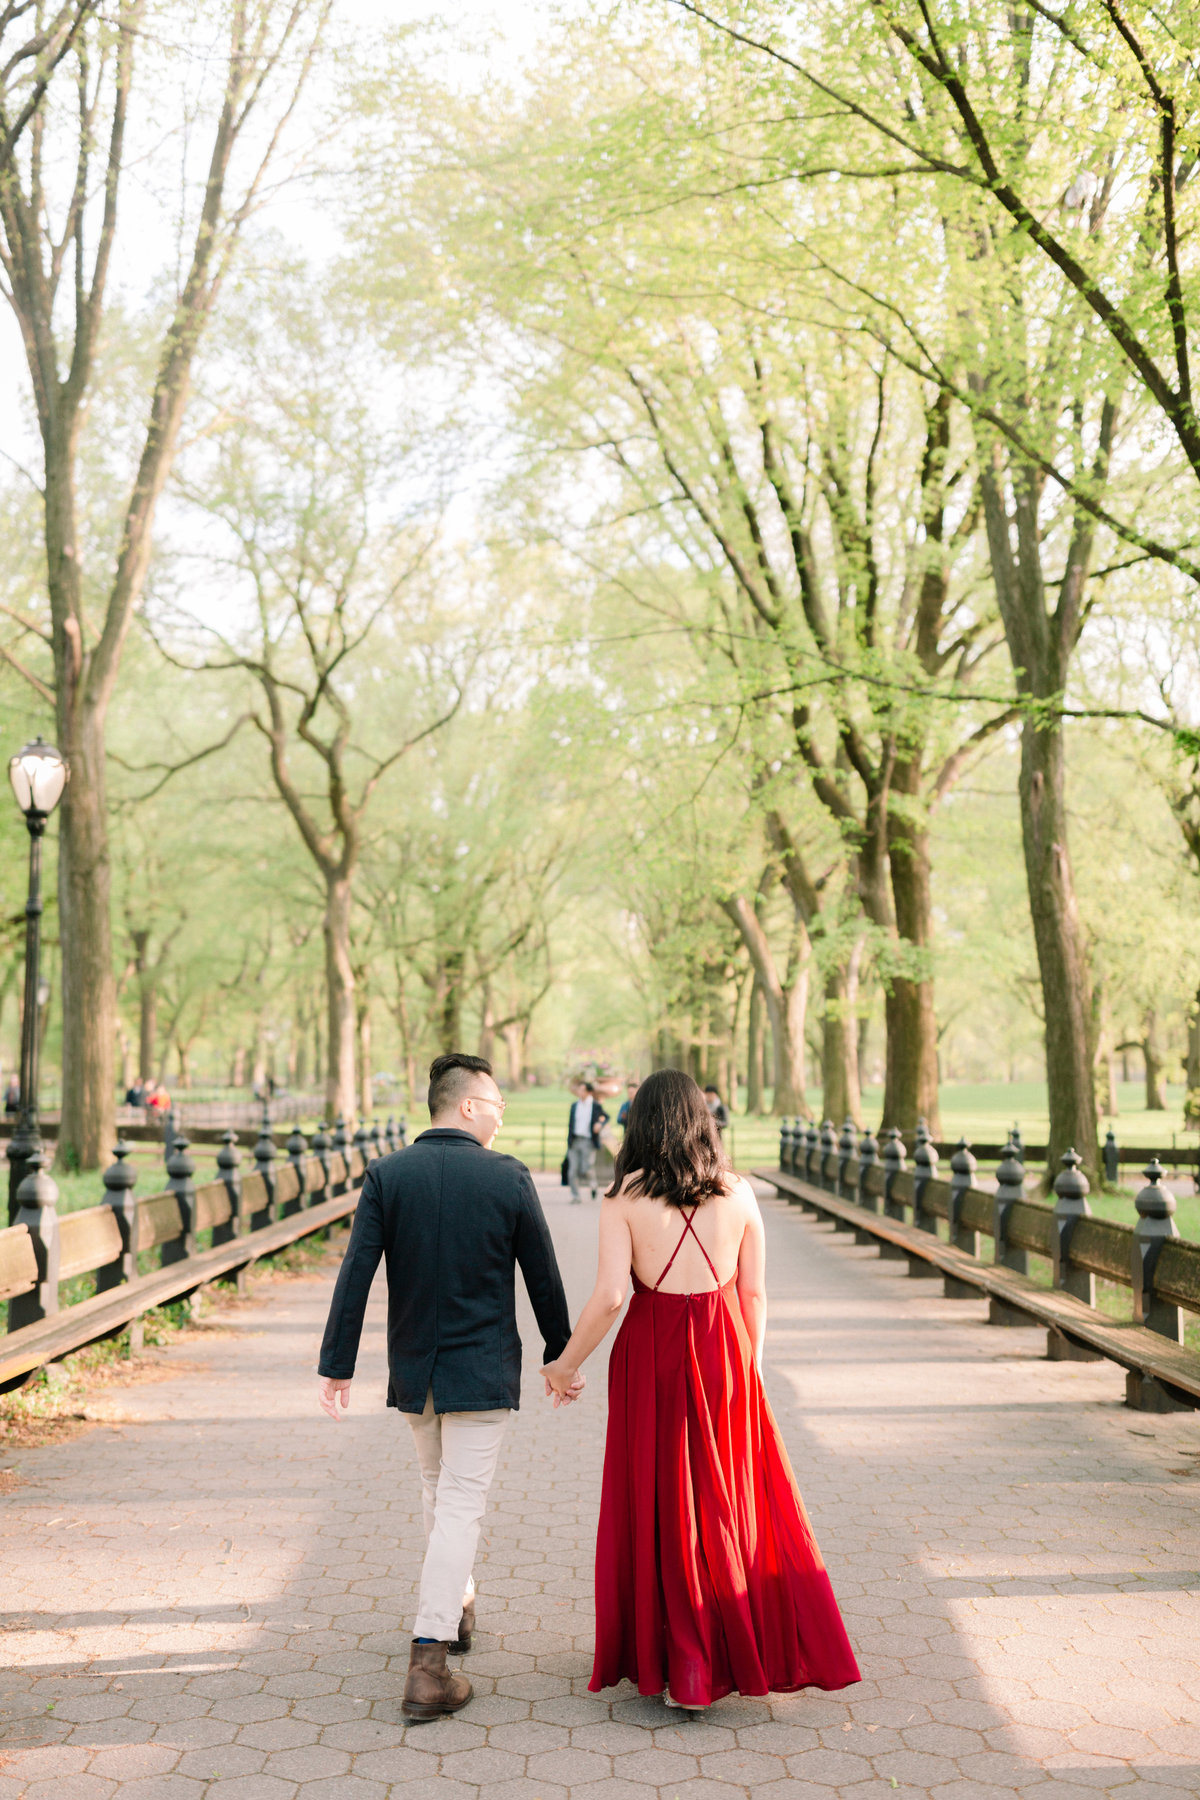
[(404, 1028), (147, 1023), (840, 1095), (1104, 1057), (125, 1046), (366, 1079), (340, 1087), (912, 1070), (755, 1045), (514, 1043), (1191, 1104), (450, 1000), (786, 1006), (89, 997), (1156, 1087), (1058, 936), (487, 1026)]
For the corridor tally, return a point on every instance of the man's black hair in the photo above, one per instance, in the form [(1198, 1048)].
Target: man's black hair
[(449, 1078), (710, 1089)]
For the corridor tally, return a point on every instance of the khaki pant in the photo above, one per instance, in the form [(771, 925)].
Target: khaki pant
[(458, 1453)]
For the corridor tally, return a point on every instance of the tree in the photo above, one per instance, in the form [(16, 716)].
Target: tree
[(302, 507), (58, 242), (771, 452)]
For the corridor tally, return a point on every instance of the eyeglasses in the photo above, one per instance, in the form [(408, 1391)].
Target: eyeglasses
[(486, 1100)]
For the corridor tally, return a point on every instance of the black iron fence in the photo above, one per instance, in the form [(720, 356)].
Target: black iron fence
[(145, 1250)]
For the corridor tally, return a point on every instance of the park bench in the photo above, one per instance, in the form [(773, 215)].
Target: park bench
[(882, 1202), (248, 1216)]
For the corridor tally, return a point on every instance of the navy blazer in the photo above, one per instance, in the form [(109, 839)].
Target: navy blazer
[(451, 1221)]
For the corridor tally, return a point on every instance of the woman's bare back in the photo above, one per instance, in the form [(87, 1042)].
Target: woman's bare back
[(655, 1230)]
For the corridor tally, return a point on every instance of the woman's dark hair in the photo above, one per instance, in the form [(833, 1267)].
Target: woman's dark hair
[(671, 1138)]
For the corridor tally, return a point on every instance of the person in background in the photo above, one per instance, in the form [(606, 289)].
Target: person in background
[(136, 1095), (717, 1107), (588, 1118), (631, 1088), (157, 1098), (12, 1095)]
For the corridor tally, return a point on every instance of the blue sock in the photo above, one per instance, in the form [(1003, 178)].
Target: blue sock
[(427, 1640)]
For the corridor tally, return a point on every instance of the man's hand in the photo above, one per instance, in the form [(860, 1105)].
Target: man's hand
[(333, 1397), (563, 1385)]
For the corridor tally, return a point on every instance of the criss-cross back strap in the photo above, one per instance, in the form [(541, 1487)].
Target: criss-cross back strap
[(687, 1226)]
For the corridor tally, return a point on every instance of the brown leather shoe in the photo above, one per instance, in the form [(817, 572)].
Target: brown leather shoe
[(431, 1689), (466, 1630)]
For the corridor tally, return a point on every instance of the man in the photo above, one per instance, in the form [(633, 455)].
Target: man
[(587, 1120), (451, 1218), (631, 1088), (717, 1107)]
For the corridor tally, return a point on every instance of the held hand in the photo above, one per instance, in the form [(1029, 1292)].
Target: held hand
[(333, 1397), (563, 1384)]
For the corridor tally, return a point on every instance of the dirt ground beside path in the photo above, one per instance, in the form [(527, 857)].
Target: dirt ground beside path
[(213, 1595)]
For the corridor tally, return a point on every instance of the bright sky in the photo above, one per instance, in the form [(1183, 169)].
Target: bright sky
[(493, 37)]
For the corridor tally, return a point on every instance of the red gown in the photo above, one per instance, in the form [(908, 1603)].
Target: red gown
[(708, 1577)]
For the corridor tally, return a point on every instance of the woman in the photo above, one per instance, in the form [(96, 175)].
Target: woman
[(708, 1578)]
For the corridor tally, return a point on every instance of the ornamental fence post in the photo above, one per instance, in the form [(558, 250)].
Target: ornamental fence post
[(785, 1146), (376, 1141), (229, 1170), (1010, 1187), (845, 1184), (893, 1164), (37, 1210), (180, 1170), (925, 1164), (1071, 1205), (264, 1160), (402, 1128), (828, 1166), (962, 1176), (1155, 1227), (811, 1154), (297, 1153), (868, 1159), (1112, 1158), (389, 1132), (119, 1179), (341, 1147)]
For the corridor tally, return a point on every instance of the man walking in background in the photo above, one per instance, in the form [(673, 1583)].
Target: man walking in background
[(451, 1219), (588, 1119)]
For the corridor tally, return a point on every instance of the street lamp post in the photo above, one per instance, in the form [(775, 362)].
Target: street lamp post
[(38, 775)]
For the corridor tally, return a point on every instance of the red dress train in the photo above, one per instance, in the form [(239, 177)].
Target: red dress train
[(708, 1577)]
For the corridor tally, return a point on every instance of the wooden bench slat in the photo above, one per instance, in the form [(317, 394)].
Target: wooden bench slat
[(18, 1263), (159, 1221), (212, 1205), (88, 1240)]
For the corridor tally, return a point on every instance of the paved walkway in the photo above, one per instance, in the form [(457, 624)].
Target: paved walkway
[(212, 1598)]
